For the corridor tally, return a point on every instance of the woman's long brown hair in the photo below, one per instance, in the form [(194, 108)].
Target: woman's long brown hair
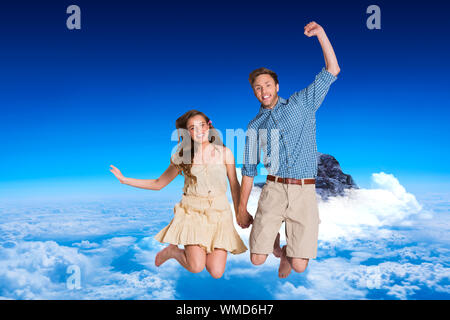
[(187, 148)]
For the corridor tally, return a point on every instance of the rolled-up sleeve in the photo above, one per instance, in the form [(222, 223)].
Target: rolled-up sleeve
[(251, 153), (315, 93)]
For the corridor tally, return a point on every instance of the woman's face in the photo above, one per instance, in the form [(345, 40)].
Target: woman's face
[(198, 128)]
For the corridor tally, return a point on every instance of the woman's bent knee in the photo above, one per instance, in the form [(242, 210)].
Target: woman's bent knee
[(216, 273), (196, 266)]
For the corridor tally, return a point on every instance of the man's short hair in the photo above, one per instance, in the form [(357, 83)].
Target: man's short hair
[(261, 71)]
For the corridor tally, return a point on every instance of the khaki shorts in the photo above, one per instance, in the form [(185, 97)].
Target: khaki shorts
[(293, 204)]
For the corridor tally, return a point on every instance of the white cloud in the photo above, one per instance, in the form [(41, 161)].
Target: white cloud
[(359, 210), (403, 280), (37, 270), (333, 278), (361, 222), (67, 220), (86, 244), (113, 245), (353, 214), (339, 278)]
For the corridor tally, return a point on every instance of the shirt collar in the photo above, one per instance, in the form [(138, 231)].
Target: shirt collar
[(279, 102)]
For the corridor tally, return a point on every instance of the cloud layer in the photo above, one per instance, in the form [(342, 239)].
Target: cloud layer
[(377, 243), (373, 243)]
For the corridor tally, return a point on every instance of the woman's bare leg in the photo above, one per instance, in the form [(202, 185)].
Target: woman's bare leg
[(215, 262), (192, 257)]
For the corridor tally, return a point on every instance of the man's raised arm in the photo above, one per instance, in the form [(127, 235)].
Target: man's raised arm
[(313, 95), (331, 63)]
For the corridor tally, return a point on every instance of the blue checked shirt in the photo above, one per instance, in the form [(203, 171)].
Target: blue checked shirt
[(287, 133)]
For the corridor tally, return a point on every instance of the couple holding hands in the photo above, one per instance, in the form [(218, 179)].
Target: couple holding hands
[(203, 220)]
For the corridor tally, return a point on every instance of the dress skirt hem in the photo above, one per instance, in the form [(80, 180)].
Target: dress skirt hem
[(207, 222)]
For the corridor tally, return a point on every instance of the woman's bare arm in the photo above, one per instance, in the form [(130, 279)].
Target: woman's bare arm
[(150, 184), (232, 178)]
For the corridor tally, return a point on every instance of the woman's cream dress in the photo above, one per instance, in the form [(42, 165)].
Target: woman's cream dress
[(203, 216)]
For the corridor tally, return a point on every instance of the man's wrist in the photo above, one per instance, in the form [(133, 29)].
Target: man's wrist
[(321, 35)]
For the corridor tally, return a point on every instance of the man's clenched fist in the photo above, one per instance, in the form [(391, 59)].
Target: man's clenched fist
[(313, 29)]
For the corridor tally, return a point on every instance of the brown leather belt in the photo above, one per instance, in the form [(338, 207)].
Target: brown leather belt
[(290, 180)]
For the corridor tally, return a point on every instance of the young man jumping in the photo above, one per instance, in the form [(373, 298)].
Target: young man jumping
[(287, 130)]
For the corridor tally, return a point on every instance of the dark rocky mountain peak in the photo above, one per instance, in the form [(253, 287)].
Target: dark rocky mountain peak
[(330, 180)]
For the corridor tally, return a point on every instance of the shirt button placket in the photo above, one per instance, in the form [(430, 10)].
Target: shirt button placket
[(284, 142)]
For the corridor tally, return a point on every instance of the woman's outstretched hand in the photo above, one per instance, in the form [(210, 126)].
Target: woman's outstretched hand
[(117, 173)]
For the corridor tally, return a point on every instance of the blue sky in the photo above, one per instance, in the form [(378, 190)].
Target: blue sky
[(74, 102)]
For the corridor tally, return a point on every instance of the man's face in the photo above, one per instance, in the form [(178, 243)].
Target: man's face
[(265, 90)]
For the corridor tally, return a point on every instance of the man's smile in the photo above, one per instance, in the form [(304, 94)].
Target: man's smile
[(267, 97)]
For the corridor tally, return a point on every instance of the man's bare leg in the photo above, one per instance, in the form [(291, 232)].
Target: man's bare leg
[(276, 246), (258, 259), (298, 264), (285, 266)]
